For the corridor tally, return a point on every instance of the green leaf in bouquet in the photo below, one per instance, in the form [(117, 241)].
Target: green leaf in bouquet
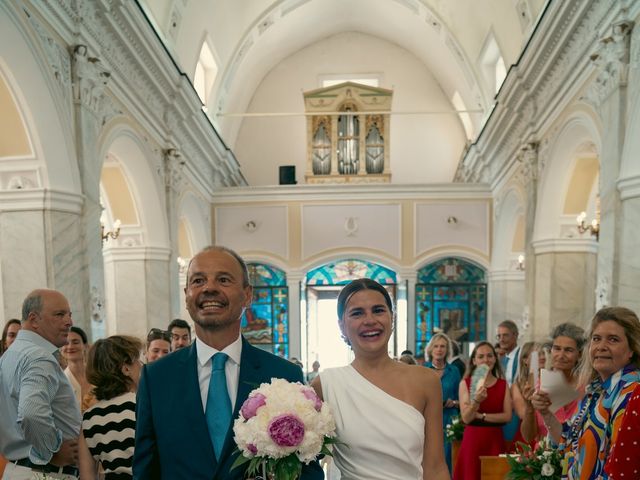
[(240, 460)]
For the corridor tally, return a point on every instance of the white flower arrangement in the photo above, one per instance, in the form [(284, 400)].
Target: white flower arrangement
[(281, 426)]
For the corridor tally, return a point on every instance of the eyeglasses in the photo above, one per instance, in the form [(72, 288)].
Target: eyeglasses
[(158, 334)]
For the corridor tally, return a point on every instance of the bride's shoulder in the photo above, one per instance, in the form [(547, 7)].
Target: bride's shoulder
[(420, 373)]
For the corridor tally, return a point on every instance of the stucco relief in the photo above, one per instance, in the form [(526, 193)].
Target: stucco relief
[(612, 60)]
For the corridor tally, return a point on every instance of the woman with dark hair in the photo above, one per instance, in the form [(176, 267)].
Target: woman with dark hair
[(9, 333), (484, 411), (108, 427), (75, 355), (610, 371), (388, 414)]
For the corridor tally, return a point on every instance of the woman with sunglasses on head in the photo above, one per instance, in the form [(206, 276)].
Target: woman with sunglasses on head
[(610, 371), (158, 344), (388, 414)]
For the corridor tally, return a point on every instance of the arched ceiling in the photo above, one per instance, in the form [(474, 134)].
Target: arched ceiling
[(250, 37)]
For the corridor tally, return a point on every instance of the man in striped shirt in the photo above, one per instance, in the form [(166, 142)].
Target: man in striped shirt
[(39, 415)]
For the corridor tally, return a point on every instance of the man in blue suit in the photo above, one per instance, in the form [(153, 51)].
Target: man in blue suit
[(175, 433)]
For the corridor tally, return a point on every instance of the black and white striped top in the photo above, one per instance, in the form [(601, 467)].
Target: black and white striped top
[(109, 428)]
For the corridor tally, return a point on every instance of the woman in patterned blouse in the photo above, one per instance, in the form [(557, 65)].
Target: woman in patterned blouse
[(610, 372)]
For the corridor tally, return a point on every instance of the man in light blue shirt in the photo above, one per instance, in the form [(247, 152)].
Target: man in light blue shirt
[(39, 415)]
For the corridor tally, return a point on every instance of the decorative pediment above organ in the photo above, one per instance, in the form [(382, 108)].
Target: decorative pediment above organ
[(348, 134)]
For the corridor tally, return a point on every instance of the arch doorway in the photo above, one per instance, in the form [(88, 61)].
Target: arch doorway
[(321, 336)]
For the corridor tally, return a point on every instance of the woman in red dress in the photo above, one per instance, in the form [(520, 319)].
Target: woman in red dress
[(484, 412)]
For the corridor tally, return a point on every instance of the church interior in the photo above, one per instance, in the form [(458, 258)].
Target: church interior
[(477, 157)]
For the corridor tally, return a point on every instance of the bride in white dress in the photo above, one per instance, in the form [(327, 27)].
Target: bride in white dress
[(388, 414)]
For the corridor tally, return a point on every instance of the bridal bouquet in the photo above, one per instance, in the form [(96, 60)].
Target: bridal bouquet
[(281, 426), (541, 463)]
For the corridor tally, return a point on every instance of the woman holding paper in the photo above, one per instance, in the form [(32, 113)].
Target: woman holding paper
[(532, 359), (485, 405), (568, 341), (610, 371)]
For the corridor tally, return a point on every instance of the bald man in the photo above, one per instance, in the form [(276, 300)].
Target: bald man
[(39, 415)]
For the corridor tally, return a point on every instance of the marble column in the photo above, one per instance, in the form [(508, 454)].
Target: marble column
[(608, 94), (506, 298), (174, 184), (410, 276), (629, 242), (138, 290), (565, 284), (295, 335), (529, 159), (39, 231), (90, 79)]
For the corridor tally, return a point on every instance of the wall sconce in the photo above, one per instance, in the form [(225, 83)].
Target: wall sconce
[(106, 235), (452, 220), (520, 262), (182, 265), (593, 227)]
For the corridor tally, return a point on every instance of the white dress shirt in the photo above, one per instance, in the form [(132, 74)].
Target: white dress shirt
[(231, 368), (511, 372)]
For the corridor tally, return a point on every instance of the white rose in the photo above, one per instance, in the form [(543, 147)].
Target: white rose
[(547, 470), (547, 453)]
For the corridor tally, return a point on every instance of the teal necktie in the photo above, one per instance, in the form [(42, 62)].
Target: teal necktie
[(218, 412)]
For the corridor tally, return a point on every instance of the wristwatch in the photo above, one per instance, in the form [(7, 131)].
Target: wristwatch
[(484, 417)]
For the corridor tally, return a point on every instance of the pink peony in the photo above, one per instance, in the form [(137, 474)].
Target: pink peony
[(310, 394), (251, 405), (252, 448), (286, 430)]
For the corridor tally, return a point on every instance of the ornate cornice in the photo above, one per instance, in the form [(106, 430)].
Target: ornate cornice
[(126, 72), (553, 68)]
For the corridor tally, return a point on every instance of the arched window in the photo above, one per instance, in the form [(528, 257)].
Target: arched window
[(343, 271), (451, 297), (266, 323)]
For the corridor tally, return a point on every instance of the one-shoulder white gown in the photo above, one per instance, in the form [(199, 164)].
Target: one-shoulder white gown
[(383, 437)]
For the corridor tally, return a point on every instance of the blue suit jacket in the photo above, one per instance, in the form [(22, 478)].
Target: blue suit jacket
[(172, 439)]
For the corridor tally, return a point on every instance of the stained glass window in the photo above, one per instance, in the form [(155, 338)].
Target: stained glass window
[(343, 271), (266, 323), (451, 297)]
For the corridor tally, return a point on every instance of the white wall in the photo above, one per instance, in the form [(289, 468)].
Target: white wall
[(424, 148)]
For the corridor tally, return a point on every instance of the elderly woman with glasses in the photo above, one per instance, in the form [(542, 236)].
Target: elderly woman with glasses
[(158, 344), (610, 371)]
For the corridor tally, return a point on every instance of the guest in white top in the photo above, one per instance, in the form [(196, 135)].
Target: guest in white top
[(75, 354)]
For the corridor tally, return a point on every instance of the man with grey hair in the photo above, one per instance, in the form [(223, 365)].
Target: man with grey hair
[(39, 415), (507, 337)]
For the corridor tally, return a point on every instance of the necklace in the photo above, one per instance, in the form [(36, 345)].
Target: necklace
[(438, 368)]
